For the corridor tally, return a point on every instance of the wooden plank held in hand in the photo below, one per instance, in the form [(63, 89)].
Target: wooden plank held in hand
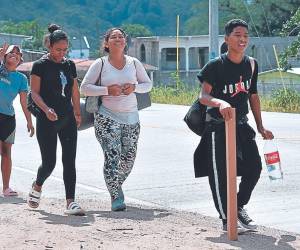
[(230, 127)]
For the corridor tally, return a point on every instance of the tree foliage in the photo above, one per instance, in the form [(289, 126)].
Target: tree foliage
[(135, 30), (264, 16), (92, 18), (28, 28), (291, 27)]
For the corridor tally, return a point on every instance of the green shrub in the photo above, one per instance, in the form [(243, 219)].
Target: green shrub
[(280, 101), (171, 95), (286, 100)]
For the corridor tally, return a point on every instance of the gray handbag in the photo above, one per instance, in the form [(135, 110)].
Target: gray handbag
[(87, 119), (143, 99), (92, 103)]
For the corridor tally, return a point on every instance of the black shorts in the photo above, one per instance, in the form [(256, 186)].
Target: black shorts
[(7, 128)]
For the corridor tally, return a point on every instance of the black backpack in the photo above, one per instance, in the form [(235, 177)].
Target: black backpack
[(195, 117)]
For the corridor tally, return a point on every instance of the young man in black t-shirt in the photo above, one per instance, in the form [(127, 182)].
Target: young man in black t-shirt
[(230, 81)]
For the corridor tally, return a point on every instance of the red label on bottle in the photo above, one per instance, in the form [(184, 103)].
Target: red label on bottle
[(272, 158)]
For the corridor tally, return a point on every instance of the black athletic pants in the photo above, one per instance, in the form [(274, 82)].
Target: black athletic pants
[(47, 132), (248, 166)]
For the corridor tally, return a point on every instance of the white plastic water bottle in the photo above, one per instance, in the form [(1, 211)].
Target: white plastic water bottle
[(272, 160)]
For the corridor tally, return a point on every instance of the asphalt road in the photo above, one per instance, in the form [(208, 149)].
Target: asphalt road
[(163, 172)]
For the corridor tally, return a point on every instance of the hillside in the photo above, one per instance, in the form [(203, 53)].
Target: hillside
[(93, 17)]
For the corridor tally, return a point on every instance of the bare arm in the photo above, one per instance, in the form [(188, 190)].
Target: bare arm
[(35, 83), (76, 102), (208, 100), (255, 107), (23, 101), (2, 51)]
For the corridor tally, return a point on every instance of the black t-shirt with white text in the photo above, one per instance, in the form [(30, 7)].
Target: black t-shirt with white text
[(231, 82), (56, 84)]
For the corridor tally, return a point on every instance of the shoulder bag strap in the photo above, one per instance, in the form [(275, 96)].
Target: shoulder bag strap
[(134, 67), (98, 82)]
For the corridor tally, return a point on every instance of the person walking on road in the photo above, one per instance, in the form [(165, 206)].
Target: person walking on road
[(117, 124), (12, 83), (230, 81), (55, 90)]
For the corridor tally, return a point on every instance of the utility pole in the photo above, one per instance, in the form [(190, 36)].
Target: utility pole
[(80, 43), (213, 29)]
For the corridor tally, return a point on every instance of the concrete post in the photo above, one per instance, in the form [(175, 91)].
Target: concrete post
[(187, 63), (213, 29)]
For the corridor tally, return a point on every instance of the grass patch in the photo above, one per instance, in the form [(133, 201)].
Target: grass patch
[(282, 100), (171, 95)]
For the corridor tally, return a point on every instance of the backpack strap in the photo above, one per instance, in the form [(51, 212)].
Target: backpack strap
[(252, 63)]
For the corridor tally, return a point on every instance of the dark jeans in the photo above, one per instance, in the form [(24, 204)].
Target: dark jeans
[(47, 131)]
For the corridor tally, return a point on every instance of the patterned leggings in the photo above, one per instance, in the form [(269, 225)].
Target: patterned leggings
[(119, 144)]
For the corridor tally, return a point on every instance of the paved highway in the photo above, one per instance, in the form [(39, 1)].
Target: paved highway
[(163, 173)]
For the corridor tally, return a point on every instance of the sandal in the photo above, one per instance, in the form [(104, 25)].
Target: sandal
[(34, 198), (9, 192), (74, 209)]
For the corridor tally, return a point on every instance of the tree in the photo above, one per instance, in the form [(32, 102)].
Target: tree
[(28, 28), (291, 27), (265, 17), (135, 30)]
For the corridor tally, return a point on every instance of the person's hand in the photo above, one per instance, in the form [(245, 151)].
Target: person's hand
[(128, 88), (114, 90), (51, 115), (30, 129), (3, 51), (266, 134), (225, 110), (78, 119)]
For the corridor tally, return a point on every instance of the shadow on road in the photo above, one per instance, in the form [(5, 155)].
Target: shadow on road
[(257, 240), (74, 221), (134, 213), (11, 200)]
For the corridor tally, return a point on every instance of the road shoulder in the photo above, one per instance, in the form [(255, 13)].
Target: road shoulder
[(140, 227)]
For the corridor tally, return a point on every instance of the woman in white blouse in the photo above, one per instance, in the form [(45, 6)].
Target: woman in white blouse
[(117, 124)]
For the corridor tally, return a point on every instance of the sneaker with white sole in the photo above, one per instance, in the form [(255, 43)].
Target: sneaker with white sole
[(245, 220), (240, 229), (74, 209)]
